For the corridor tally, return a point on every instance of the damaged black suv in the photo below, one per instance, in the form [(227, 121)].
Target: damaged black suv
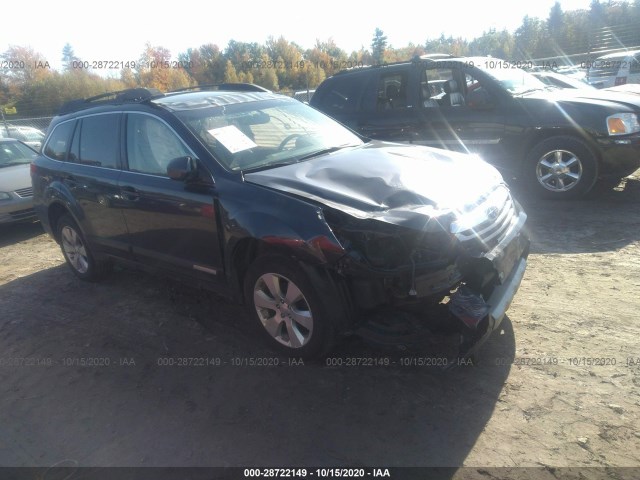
[(264, 199)]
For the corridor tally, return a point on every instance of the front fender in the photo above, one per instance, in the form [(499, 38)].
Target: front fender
[(279, 221)]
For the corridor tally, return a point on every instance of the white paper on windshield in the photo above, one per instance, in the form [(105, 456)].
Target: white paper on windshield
[(232, 138)]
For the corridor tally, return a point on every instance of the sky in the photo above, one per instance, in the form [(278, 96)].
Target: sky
[(119, 30)]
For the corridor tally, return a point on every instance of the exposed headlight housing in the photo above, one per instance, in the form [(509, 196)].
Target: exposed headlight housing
[(5, 196), (623, 124)]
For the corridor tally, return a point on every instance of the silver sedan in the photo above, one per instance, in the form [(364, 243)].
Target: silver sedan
[(16, 193)]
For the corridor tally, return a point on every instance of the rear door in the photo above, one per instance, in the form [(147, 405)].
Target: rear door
[(171, 224), (90, 175)]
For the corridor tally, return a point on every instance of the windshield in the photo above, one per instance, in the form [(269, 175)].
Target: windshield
[(515, 80), (14, 153), (263, 134)]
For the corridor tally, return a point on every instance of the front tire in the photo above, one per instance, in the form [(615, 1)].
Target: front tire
[(286, 308), (561, 168), (77, 253)]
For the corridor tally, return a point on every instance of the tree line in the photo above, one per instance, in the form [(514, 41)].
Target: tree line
[(30, 86)]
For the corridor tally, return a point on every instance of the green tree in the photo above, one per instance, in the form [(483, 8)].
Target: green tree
[(204, 64), (497, 44), (68, 57), (230, 75), (530, 39), (264, 76), (378, 46), (556, 26), (156, 70), (29, 67)]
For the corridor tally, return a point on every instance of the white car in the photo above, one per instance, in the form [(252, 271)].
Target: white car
[(560, 80), (28, 135), (16, 192), (615, 69)]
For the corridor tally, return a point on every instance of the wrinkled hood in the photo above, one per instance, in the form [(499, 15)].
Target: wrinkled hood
[(15, 177), (392, 182), (590, 97)]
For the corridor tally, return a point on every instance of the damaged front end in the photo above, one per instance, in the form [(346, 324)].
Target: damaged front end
[(427, 238), (457, 273)]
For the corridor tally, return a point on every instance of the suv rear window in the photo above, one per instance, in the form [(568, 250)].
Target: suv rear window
[(343, 94)]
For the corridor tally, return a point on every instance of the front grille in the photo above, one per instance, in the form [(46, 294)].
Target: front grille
[(494, 217), (25, 192)]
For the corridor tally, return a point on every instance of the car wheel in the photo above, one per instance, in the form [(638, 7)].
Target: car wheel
[(286, 308), (561, 167), (77, 253)]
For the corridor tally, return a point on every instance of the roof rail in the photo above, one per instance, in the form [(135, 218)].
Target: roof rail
[(429, 57), (131, 95), (231, 87), (432, 56)]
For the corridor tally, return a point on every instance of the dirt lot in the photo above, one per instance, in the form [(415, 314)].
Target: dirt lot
[(558, 387)]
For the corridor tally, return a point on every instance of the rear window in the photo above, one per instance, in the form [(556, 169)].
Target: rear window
[(58, 143), (342, 94)]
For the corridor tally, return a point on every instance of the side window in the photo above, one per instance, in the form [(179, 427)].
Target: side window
[(344, 94), (428, 92), (151, 145), (392, 91), (96, 141), (476, 94), (58, 142), (444, 88)]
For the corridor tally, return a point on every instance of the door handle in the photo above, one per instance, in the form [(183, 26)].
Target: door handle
[(129, 193)]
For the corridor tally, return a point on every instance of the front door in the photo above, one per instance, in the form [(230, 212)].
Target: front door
[(171, 224), (461, 114)]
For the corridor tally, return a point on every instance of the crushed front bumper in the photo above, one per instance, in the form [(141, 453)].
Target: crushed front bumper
[(510, 260)]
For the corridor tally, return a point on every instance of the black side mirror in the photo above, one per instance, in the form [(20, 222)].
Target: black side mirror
[(182, 168)]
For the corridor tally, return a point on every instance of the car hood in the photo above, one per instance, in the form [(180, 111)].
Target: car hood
[(396, 183), (15, 177), (590, 97)]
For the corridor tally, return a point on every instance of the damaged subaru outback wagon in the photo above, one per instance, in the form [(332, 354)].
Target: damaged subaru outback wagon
[(271, 202)]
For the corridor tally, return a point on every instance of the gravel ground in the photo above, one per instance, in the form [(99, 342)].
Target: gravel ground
[(87, 378)]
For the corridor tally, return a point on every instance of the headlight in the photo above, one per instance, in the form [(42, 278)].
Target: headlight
[(623, 123), (5, 196)]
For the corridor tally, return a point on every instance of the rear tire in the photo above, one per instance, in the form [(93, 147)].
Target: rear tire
[(287, 309), (560, 168), (77, 253)]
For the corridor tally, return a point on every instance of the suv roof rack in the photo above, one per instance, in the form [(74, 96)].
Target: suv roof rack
[(432, 56), (429, 57), (230, 87), (131, 95)]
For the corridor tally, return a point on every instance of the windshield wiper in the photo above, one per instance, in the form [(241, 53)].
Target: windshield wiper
[(325, 151), (267, 166), (530, 90), (318, 153)]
